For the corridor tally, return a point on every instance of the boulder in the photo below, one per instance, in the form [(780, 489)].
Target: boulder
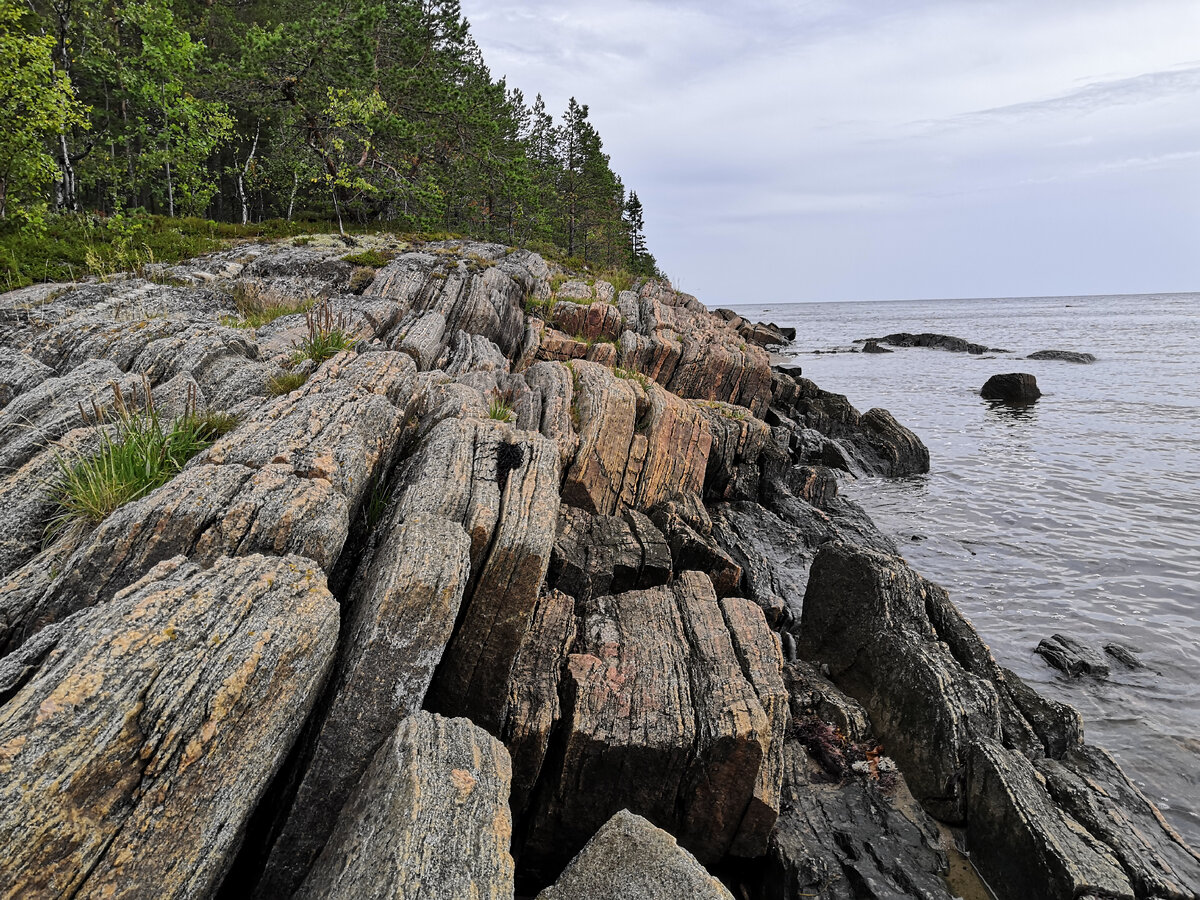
[(630, 859), (429, 819), (1063, 356), (1014, 388), (873, 347), (1070, 656), (935, 342), (136, 737), (18, 373)]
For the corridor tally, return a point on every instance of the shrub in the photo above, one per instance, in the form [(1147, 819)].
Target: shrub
[(361, 278), (373, 259)]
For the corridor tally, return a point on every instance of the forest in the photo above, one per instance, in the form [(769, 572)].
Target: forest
[(376, 114)]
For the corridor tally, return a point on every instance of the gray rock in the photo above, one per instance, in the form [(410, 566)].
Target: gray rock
[(1063, 356), (139, 735), (428, 821), (18, 373), (403, 607), (630, 859)]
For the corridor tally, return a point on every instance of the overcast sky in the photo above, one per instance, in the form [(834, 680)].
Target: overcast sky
[(878, 149)]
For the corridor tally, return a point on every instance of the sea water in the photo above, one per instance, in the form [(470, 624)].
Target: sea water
[(1077, 515)]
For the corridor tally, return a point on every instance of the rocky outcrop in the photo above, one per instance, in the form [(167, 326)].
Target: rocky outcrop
[(1063, 356), (429, 819), (136, 737), (1014, 388), (595, 524), (630, 859), (764, 334)]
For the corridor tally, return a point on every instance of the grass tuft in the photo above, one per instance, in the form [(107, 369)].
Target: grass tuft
[(286, 382), (326, 337), (139, 455), (500, 410)]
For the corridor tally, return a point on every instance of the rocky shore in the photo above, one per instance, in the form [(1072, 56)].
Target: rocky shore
[(533, 588)]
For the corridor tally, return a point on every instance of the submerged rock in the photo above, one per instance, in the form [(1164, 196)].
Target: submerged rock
[(1014, 388), (1063, 356), (1070, 656), (935, 342)]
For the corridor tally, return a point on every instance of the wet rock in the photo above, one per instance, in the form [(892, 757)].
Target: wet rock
[(872, 443), (138, 735), (403, 606), (1014, 388), (1126, 656), (1058, 725), (873, 347), (1091, 787), (813, 696), (846, 841), (1070, 656), (429, 819), (18, 373), (1063, 356), (630, 859), (1024, 845), (865, 617), (936, 342)]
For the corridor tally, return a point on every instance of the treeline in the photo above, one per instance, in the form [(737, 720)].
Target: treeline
[(367, 111)]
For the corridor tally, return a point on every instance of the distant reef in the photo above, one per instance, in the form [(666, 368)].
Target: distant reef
[(317, 556)]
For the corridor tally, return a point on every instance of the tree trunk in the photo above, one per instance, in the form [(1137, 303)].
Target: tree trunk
[(241, 180)]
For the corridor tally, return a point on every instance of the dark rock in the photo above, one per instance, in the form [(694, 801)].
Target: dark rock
[(1126, 656), (1024, 845), (1089, 785), (847, 841), (935, 342), (865, 617), (873, 347), (1068, 655), (429, 820), (630, 859), (1014, 388), (1063, 355), (1058, 725), (596, 555)]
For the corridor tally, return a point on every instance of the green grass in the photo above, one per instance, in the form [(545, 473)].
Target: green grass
[(143, 454), (540, 309), (630, 375), (326, 337), (374, 259), (286, 382), (256, 308), (500, 410)]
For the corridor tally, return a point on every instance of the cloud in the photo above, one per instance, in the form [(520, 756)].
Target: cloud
[(880, 124)]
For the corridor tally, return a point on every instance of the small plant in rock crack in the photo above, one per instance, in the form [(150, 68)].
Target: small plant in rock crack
[(139, 453), (499, 409), (285, 383), (327, 335)]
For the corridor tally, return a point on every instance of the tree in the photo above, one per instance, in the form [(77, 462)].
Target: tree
[(37, 105)]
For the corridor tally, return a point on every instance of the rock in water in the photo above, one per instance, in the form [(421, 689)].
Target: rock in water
[(1072, 657), (630, 859), (873, 347), (1014, 388), (429, 820), (1063, 356), (137, 736)]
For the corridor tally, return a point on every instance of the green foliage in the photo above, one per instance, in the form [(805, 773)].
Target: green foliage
[(258, 307), (631, 375), (326, 336), (375, 259), (141, 454), (539, 307), (37, 106), (286, 382), (499, 409)]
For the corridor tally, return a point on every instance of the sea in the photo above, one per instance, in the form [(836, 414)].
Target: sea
[(1077, 515)]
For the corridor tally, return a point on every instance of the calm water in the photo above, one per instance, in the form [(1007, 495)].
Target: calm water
[(1080, 515)]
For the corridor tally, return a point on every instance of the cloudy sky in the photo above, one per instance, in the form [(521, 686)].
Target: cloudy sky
[(877, 149)]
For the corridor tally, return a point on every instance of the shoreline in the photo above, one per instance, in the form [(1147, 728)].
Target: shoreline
[(575, 521)]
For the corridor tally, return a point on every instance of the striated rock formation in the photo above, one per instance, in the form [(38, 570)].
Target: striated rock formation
[(592, 524)]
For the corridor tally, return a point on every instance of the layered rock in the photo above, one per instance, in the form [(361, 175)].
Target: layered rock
[(429, 819), (137, 736), (630, 859)]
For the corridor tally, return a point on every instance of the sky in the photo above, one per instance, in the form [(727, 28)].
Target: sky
[(805, 150)]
